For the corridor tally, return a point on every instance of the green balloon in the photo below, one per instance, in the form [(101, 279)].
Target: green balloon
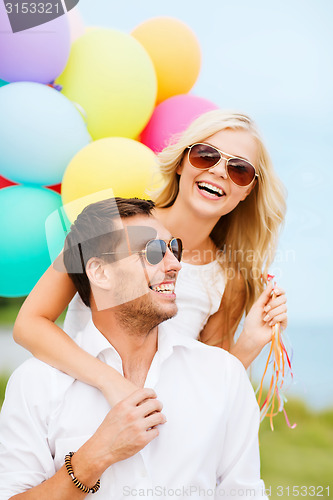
[(24, 250), (2, 83)]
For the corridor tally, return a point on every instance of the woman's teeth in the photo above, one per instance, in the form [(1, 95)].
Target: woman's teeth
[(167, 288), (210, 188)]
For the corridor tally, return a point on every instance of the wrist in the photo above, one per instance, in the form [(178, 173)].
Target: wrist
[(103, 376), (89, 463), (81, 486), (251, 341)]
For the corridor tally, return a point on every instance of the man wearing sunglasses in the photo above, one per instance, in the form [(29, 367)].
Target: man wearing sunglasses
[(60, 439)]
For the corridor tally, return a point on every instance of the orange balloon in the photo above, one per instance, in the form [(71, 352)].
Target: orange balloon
[(175, 52)]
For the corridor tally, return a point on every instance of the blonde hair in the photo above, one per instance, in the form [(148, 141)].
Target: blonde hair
[(247, 237)]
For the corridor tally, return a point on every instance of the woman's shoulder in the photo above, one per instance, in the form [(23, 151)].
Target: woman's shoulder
[(213, 266)]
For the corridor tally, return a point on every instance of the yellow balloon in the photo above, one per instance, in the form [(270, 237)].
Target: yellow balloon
[(175, 52), (111, 76), (123, 166)]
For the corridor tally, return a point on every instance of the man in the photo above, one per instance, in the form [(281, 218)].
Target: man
[(208, 445)]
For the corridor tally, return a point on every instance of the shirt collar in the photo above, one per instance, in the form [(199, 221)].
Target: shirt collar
[(94, 342)]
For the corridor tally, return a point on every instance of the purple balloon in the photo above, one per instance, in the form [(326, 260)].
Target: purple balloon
[(37, 54)]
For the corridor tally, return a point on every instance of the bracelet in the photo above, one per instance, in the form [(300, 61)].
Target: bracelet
[(78, 484)]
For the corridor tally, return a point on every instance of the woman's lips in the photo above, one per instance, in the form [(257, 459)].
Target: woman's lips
[(207, 195)]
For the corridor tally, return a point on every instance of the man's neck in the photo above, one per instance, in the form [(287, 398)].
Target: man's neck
[(136, 348)]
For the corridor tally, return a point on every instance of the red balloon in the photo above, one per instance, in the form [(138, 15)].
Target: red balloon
[(6, 183), (55, 187)]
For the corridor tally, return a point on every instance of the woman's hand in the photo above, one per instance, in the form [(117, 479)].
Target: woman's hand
[(268, 310), (276, 309)]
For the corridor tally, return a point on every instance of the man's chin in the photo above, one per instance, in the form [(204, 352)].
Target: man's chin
[(169, 313)]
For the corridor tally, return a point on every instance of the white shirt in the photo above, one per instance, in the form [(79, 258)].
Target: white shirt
[(209, 442), (199, 291)]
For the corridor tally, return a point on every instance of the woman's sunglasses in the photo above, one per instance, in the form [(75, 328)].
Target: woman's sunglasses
[(155, 250), (203, 157)]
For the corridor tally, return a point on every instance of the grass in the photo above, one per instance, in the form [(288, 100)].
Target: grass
[(3, 382), (298, 457), (9, 308)]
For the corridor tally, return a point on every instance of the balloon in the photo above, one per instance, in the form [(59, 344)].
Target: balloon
[(175, 52), (76, 24), (24, 252), (37, 54), (123, 165), (40, 135), (3, 83), (171, 117), (112, 77), (5, 182), (56, 188)]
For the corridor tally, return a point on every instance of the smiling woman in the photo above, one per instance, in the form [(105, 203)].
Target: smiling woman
[(222, 197)]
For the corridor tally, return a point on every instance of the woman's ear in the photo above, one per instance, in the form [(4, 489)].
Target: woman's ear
[(249, 189), (98, 273), (179, 169)]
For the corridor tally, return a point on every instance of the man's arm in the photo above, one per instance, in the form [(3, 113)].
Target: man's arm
[(239, 468), (26, 462), (126, 429)]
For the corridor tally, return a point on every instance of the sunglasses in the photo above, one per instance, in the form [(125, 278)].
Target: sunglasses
[(203, 157), (155, 250)]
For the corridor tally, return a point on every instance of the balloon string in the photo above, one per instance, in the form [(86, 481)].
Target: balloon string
[(263, 377), (55, 86), (287, 420), (281, 368)]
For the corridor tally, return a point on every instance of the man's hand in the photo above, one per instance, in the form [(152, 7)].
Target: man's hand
[(126, 429), (116, 388)]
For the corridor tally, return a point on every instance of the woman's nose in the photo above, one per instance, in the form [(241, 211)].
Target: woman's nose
[(220, 169)]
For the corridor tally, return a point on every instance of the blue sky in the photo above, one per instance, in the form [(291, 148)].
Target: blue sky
[(272, 60)]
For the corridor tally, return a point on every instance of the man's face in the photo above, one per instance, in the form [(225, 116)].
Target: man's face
[(144, 292)]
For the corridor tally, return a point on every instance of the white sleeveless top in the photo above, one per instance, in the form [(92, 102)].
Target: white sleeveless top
[(199, 291)]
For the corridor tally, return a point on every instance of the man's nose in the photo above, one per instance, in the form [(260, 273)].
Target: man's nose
[(170, 261), (220, 169)]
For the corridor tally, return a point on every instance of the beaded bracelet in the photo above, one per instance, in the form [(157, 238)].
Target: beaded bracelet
[(78, 484)]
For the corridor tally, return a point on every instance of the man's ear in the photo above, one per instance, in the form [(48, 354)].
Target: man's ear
[(98, 273), (249, 189)]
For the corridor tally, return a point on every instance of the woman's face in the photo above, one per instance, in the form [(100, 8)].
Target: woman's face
[(238, 143)]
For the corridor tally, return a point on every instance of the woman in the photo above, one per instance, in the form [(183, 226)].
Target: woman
[(223, 199)]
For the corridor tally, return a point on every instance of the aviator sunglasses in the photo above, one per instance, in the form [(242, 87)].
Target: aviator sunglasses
[(204, 156), (155, 250)]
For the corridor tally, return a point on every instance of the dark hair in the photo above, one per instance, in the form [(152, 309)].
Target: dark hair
[(94, 232)]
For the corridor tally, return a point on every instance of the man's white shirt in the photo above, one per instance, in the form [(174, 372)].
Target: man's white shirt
[(207, 448)]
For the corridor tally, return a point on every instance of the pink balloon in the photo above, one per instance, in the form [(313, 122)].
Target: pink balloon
[(173, 116), (37, 54), (76, 24)]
